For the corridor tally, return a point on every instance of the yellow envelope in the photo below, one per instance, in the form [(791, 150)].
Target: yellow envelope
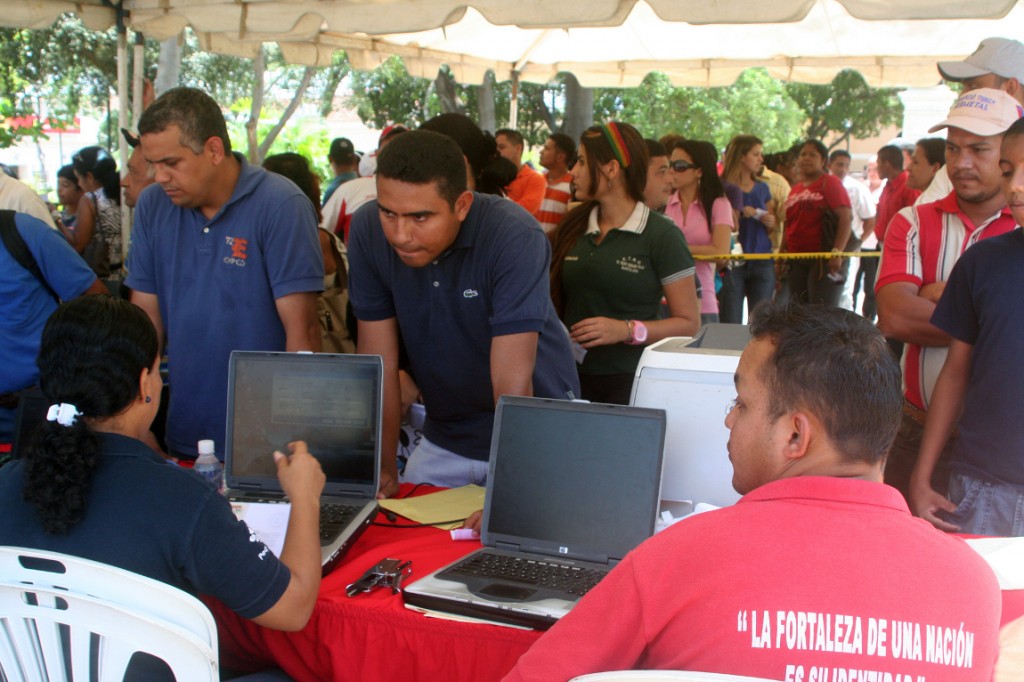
[(452, 505)]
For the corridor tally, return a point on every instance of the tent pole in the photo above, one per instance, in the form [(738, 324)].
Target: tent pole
[(513, 105), (122, 115), (138, 69)]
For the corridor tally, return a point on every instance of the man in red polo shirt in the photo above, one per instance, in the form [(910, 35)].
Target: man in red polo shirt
[(921, 246), (819, 572), (895, 194)]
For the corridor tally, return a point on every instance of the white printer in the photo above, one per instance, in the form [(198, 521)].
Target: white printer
[(692, 380)]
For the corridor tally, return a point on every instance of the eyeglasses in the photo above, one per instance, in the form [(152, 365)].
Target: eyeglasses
[(680, 166)]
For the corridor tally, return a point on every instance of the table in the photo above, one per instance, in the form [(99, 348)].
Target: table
[(373, 636)]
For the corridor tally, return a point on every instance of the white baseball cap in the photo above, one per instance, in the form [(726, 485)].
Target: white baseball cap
[(1001, 56), (984, 112)]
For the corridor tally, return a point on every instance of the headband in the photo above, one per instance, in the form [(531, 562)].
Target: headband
[(64, 414), (618, 145)]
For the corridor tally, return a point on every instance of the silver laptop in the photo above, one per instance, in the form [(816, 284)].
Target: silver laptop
[(571, 488), (334, 403)]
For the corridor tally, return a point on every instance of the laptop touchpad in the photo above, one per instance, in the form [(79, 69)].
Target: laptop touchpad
[(505, 591)]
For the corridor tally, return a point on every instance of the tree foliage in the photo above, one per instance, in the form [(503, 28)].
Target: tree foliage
[(58, 71), (755, 104), (847, 107)]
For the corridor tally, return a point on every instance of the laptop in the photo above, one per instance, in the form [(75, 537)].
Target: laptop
[(334, 403), (571, 488)]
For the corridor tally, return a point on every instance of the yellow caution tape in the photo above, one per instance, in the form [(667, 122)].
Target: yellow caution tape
[(790, 256)]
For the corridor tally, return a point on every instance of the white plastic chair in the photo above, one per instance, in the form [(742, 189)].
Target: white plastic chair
[(664, 676), (43, 593)]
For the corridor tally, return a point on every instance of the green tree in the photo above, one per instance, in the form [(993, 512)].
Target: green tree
[(54, 73), (755, 104), (847, 107), (388, 94)]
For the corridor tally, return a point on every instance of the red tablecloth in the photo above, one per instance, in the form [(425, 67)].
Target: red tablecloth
[(373, 636)]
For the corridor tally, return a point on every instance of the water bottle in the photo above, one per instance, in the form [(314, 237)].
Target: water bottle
[(208, 466)]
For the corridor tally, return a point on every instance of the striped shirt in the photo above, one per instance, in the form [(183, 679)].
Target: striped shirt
[(556, 199), (922, 244)]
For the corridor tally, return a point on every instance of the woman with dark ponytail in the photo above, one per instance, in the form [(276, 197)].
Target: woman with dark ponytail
[(489, 171), (613, 260), (90, 487), (97, 233)]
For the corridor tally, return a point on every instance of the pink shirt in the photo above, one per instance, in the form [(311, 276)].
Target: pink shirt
[(695, 229)]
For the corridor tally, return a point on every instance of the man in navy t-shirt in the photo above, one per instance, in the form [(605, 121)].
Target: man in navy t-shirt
[(464, 278), (225, 256)]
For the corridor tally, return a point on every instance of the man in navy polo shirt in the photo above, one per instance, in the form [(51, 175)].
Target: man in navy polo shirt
[(225, 256), (464, 278)]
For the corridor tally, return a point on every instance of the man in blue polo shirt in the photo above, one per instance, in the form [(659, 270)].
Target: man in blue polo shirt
[(464, 276), (26, 305), (225, 256)]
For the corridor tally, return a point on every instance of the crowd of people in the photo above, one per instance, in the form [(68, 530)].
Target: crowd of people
[(474, 275)]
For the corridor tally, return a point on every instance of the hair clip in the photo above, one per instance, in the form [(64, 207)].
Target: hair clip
[(64, 414)]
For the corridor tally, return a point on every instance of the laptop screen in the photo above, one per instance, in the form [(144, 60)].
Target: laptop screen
[(578, 478), (333, 402)]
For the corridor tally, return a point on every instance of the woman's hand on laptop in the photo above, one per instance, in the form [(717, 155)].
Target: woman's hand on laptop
[(300, 473)]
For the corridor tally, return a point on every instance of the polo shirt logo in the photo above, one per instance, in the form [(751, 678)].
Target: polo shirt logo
[(238, 251), (631, 264), (470, 293)]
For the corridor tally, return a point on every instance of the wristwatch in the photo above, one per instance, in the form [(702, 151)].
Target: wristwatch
[(637, 333)]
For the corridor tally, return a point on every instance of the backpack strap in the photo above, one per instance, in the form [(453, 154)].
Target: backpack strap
[(16, 246)]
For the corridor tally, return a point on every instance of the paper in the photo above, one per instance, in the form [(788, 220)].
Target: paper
[(268, 522), (447, 505), (441, 615), (1005, 556)]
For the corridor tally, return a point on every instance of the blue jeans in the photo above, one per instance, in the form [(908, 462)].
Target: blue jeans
[(433, 464), (753, 281), (985, 508)]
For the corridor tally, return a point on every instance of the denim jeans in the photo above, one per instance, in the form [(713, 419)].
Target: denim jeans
[(985, 507), (809, 283), (433, 464), (753, 281)]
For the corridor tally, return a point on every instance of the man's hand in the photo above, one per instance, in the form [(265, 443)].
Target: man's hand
[(474, 521), (599, 331), (933, 291), (926, 503), (300, 473), (388, 482)]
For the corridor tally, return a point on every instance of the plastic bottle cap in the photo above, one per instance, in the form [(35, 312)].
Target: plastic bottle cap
[(206, 453)]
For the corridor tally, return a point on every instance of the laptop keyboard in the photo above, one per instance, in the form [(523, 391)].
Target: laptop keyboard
[(333, 519), (570, 579)]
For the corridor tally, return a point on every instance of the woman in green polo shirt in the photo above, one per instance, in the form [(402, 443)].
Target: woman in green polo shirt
[(612, 262)]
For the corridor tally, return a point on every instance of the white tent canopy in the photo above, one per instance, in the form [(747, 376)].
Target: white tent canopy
[(603, 42)]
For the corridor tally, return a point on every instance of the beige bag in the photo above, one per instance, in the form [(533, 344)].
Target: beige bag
[(331, 305)]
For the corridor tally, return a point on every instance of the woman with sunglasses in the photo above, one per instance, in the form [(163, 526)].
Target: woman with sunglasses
[(700, 209), (97, 234), (818, 218), (752, 280), (612, 261)]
